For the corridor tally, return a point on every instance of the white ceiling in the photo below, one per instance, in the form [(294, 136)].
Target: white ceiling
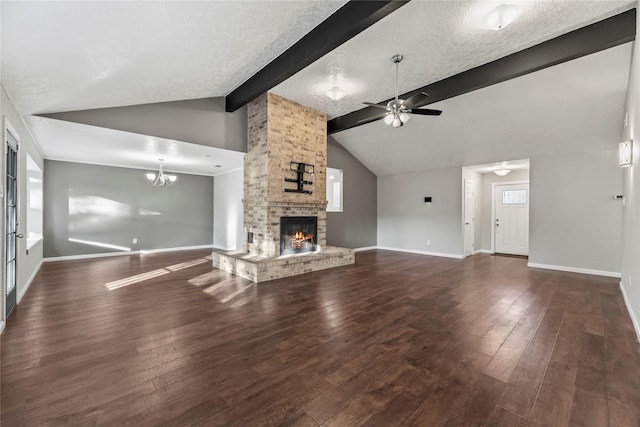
[(74, 55), (438, 39), (510, 165), (574, 106), (79, 143), (61, 56)]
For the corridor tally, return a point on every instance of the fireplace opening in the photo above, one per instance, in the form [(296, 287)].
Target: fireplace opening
[(298, 234)]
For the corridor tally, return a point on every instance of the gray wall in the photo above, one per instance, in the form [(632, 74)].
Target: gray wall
[(199, 121), (574, 220), (356, 226), (228, 219), (631, 223), (114, 205), (484, 224), (406, 222)]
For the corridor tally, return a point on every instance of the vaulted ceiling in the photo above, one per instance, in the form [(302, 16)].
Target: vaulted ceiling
[(62, 56)]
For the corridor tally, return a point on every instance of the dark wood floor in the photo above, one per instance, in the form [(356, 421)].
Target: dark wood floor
[(397, 339)]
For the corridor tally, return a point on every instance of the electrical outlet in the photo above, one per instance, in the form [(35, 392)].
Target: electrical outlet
[(135, 240), (428, 242)]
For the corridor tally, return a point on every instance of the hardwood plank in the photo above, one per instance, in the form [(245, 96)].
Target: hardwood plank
[(501, 417), (394, 339)]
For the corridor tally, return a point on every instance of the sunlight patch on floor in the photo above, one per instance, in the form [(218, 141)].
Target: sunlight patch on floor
[(187, 264), (136, 279), (205, 279), (155, 273), (226, 290)]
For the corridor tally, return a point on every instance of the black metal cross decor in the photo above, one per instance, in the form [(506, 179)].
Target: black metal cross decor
[(300, 169)]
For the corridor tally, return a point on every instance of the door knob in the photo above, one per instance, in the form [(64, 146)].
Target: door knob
[(19, 236)]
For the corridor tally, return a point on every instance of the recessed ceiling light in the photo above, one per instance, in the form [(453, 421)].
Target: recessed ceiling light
[(501, 16)]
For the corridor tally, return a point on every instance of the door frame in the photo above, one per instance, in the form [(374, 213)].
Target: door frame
[(464, 210), (493, 208), (8, 128)]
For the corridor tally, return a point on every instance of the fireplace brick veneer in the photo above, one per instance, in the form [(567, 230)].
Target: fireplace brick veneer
[(279, 132)]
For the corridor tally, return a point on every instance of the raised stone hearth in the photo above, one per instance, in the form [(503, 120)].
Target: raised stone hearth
[(259, 269), (284, 176)]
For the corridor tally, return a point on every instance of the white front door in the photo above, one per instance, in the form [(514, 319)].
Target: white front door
[(469, 209), (512, 219)]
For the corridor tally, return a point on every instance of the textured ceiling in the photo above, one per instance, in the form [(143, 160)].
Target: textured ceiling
[(61, 56), (438, 39), (511, 165), (73, 142), (574, 106), (75, 55)]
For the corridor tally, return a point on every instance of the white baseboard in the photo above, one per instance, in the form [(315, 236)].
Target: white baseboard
[(412, 251), (485, 251), (182, 248), (87, 256), (634, 319), (222, 248), (110, 254), (576, 270), (1, 327), (366, 248), (26, 288)]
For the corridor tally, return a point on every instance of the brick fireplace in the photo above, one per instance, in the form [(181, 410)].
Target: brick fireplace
[(284, 177)]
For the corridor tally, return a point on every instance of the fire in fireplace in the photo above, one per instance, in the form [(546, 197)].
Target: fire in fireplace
[(298, 234)]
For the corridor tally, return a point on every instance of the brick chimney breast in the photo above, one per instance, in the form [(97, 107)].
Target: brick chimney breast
[(280, 132)]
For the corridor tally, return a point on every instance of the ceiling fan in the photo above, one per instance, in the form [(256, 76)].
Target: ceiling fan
[(398, 110)]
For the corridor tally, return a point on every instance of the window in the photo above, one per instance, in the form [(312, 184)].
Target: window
[(34, 202), (334, 190), (514, 197)]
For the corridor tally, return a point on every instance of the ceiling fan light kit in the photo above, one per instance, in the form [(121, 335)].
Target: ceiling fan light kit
[(399, 110)]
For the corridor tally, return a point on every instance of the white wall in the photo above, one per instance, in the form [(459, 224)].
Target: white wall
[(476, 178), (228, 211), (630, 283), (575, 223), (406, 222), (28, 264), (484, 224)]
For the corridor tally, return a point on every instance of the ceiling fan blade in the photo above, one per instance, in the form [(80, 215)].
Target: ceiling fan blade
[(426, 112), (371, 104), (372, 119), (415, 98)]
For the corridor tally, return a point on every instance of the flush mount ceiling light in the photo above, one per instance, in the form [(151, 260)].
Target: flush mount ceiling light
[(502, 172), (335, 93), (501, 16), (625, 153), (161, 179)]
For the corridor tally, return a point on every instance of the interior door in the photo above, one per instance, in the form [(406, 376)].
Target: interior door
[(11, 215), (512, 219), (469, 213)]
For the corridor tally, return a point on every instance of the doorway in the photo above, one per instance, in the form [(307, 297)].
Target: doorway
[(11, 219), (511, 218), (469, 218)]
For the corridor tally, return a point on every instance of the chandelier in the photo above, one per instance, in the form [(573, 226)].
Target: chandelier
[(161, 179)]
